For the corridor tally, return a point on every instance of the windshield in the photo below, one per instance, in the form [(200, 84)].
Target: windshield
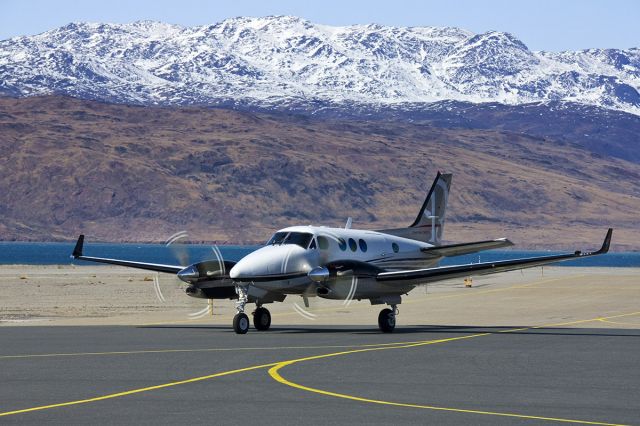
[(277, 238), (299, 238)]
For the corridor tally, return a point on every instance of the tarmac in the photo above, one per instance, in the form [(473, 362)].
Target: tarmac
[(196, 374), (563, 347)]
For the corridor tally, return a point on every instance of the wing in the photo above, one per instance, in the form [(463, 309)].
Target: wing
[(77, 254), (467, 248), (421, 276)]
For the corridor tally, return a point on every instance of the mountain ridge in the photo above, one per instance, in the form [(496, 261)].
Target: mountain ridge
[(134, 173), (270, 61)]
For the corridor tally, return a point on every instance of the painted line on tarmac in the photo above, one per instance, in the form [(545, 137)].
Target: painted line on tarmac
[(635, 324), (187, 381), (276, 366), (274, 372), (162, 351), (134, 391)]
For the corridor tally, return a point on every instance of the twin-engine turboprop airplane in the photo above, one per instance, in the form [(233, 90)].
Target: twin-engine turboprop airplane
[(341, 263)]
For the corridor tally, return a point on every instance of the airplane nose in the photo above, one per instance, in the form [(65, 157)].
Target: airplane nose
[(235, 272), (271, 261)]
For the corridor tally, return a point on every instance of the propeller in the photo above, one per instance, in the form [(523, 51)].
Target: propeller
[(180, 252), (194, 274)]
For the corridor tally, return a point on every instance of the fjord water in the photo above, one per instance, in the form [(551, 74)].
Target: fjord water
[(30, 253)]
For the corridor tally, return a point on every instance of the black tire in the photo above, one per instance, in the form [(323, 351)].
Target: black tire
[(241, 323), (262, 319), (386, 321)]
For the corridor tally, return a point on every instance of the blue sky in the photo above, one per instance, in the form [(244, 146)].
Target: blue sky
[(540, 24)]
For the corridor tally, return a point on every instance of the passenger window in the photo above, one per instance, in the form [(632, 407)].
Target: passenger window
[(395, 247), (342, 244), (323, 242), (363, 245), (352, 244)]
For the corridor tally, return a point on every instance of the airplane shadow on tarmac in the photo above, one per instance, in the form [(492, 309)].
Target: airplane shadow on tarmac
[(444, 329)]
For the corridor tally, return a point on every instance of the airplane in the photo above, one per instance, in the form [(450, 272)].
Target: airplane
[(342, 263)]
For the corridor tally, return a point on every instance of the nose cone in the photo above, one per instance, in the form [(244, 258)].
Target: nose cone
[(272, 262), (189, 274)]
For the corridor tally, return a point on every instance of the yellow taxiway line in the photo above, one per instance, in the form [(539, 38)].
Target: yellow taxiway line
[(274, 372), (275, 367)]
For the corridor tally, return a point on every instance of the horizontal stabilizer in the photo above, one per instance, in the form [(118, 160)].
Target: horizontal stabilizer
[(467, 248)]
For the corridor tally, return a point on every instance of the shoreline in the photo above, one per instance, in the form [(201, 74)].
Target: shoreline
[(111, 295)]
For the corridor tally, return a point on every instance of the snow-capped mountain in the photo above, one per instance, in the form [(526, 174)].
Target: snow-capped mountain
[(277, 61)]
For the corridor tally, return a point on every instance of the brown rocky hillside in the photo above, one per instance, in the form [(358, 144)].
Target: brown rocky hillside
[(129, 173)]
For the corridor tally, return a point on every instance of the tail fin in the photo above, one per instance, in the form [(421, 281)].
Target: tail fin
[(432, 213), (429, 225)]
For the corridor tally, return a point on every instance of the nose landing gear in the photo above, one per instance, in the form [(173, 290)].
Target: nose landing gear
[(261, 316), (241, 323), (241, 320)]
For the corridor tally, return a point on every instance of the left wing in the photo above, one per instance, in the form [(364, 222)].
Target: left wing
[(421, 276), (77, 254)]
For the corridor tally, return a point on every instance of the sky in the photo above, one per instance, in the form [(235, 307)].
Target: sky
[(551, 25)]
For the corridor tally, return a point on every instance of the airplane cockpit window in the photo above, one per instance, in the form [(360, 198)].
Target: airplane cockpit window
[(277, 238), (299, 238), (312, 246)]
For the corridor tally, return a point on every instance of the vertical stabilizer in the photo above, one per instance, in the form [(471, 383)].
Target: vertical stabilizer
[(429, 224), (433, 211)]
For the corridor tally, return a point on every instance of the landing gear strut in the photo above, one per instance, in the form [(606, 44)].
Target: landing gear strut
[(387, 319), (241, 320), (261, 319)]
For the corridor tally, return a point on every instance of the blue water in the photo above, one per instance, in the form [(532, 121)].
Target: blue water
[(59, 253)]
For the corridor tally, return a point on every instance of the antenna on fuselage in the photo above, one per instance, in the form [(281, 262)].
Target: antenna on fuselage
[(349, 222)]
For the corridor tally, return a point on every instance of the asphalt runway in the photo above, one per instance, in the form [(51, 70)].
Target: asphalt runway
[(319, 375)]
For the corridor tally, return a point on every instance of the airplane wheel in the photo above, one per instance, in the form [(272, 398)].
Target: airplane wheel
[(241, 323), (262, 319), (386, 320)]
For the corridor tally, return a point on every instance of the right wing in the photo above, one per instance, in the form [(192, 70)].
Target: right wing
[(77, 254), (421, 276)]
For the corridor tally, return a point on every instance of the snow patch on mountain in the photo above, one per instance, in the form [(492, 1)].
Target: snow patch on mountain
[(279, 60)]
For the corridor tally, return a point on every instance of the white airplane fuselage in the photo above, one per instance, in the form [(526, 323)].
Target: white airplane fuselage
[(283, 266)]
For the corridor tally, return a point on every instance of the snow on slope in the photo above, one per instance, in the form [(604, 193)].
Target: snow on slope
[(271, 61)]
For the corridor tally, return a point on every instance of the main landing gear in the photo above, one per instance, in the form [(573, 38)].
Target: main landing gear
[(261, 316), (387, 319), (261, 319)]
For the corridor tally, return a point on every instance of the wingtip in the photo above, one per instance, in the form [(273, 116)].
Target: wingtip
[(607, 242), (77, 251)]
